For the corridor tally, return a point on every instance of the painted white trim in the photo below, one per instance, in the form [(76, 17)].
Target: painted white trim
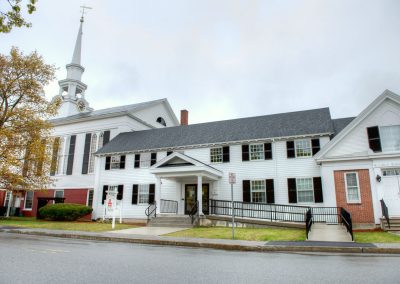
[(358, 187), (87, 197), (355, 122), (263, 152), (312, 188), (33, 199)]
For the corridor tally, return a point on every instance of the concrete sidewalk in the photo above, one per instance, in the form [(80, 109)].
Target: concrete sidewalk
[(306, 246)]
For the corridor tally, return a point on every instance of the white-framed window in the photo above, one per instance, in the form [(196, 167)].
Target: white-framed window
[(256, 152), (7, 199), (89, 201), (143, 197), (145, 160), (65, 156), (115, 162), (352, 187), (28, 200), (60, 156), (390, 138), (93, 149), (216, 155), (59, 193), (305, 191), (258, 191), (303, 148), (391, 172)]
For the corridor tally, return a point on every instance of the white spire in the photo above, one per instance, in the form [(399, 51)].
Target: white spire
[(76, 57)]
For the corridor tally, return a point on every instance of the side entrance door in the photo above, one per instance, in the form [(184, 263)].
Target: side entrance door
[(391, 192), (191, 197)]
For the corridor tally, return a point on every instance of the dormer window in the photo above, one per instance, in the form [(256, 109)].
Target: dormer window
[(161, 120)]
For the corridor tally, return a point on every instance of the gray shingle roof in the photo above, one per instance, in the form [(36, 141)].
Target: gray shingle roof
[(340, 123), (107, 111), (308, 122)]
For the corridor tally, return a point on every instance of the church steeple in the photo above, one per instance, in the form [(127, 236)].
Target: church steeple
[(72, 89)]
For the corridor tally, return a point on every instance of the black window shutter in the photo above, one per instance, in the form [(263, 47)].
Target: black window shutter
[(267, 151), (169, 153), (225, 154), (290, 149), (315, 146), (106, 137), (245, 152), (246, 191), (120, 193), (152, 193), (137, 160), (374, 139), (269, 187), (122, 162), (105, 188), (86, 152), (153, 159), (318, 196), (292, 190), (71, 154), (135, 190), (108, 163), (53, 166)]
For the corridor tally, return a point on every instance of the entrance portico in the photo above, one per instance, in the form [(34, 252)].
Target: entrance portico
[(191, 177)]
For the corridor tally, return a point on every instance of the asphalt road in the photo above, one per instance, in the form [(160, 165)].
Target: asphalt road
[(31, 259)]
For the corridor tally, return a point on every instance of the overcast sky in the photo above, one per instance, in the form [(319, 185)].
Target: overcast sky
[(223, 59)]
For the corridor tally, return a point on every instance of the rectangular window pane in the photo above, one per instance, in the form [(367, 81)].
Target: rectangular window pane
[(390, 137), (391, 172), (305, 192), (216, 155), (145, 160), (258, 191), (303, 148), (143, 193), (90, 198), (29, 200), (256, 152), (115, 162), (59, 193), (352, 188)]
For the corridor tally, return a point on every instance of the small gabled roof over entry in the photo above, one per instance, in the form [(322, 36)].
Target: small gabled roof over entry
[(181, 165)]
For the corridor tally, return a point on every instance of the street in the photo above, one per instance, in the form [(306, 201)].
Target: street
[(36, 259)]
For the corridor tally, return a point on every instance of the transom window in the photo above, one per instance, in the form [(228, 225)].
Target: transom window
[(305, 192), (256, 152), (352, 187), (258, 191), (143, 193), (391, 172), (303, 148), (145, 160), (390, 136), (115, 162), (216, 155), (29, 200)]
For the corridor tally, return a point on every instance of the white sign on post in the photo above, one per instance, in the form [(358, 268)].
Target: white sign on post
[(232, 178)]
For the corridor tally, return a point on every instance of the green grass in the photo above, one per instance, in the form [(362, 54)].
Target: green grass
[(376, 237), (25, 222), (248, 234)]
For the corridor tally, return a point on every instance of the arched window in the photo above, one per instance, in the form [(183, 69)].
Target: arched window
[(93, 149), (161, 121)]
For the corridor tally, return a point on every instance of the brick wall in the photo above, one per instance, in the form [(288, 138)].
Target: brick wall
[(360, 212)]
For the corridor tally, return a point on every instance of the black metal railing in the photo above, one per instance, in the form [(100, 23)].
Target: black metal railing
[(309, 221), (168, 206), (325, 214), (345, 217), (151, 211), (194, 211), (272, 212), (385, 212)]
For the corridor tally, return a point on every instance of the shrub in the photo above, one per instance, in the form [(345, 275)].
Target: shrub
[(64, 211)]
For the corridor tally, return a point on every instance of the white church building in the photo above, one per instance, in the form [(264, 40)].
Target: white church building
[(284, 163)]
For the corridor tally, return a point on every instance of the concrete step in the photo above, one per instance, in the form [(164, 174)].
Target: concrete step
[(181, 221), (329, 233)]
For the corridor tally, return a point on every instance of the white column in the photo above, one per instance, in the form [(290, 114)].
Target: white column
[(199, 193), (158, 195)]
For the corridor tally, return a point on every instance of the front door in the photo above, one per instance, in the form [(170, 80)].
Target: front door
[(391, 192), (191, 197)]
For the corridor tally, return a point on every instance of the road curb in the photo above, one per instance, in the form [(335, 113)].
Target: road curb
[(221, 246)]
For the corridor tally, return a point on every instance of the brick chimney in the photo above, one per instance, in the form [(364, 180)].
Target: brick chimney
[(184, 117)]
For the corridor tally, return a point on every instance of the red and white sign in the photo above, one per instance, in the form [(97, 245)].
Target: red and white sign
[(110, 203), (232, 178)]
